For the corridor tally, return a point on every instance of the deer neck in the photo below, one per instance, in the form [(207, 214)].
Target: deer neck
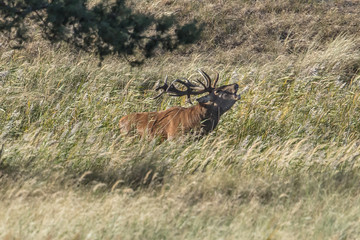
[(209, 116)]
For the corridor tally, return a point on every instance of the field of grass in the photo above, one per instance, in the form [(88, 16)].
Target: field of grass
[(283, 163)]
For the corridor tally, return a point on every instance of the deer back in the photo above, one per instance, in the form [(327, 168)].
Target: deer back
[(166, 124)]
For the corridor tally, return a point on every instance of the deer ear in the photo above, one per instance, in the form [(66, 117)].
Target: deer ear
[(205, 99)]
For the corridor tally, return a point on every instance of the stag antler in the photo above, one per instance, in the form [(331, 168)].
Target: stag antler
[(191, 89), (164, 87), (208, 80)]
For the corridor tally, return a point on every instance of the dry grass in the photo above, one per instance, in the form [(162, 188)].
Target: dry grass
[(282, 164)]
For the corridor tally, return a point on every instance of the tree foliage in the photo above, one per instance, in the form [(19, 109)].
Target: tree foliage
[(107, 27)]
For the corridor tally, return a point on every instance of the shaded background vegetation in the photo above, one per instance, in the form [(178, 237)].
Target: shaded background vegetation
[(104, 27), (282, 164)]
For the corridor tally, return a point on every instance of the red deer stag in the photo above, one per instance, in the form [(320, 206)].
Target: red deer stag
[(201, 118)]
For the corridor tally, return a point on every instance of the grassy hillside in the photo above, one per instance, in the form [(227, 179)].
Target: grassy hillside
[(282, 164)]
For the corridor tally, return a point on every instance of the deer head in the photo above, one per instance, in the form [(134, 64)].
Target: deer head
[(222, 98)]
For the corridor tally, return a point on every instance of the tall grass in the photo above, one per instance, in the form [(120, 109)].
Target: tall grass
[(282, 164)]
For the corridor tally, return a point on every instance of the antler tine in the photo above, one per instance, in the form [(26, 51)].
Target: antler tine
[(206, 77), (164, 87), (216, 80), (202, 84), (186, 83)]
